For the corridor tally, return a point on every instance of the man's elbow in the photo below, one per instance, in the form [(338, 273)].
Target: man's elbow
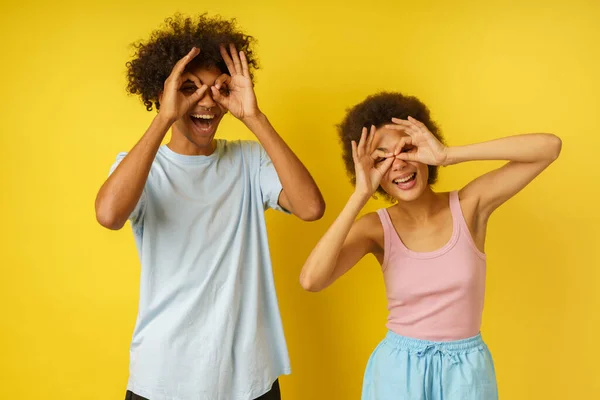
[(107, 218), (313, 212)]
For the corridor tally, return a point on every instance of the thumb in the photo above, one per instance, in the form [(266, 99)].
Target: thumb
[(407, 156), (219, 98), (224, 79), (385, 165), (198, 94)]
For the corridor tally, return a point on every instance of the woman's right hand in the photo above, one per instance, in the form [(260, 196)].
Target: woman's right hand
[(369, 166), (176, 101)]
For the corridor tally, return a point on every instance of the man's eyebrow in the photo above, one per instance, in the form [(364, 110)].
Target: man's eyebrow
[(191, 81)]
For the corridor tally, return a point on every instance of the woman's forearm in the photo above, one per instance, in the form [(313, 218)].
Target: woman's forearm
[(322, 262), (528, 148)]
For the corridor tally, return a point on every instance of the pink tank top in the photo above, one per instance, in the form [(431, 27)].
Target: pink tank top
[(436, 295)]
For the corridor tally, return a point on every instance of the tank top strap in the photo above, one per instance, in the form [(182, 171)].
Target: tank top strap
[(388, 234), (461, 223), (455, 207)]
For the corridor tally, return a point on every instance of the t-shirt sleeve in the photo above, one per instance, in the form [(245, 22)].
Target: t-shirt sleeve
[(270, 186), (137, 215)]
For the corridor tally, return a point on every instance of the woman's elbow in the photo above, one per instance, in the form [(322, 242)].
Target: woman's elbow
[(554, 146), (309, 284)]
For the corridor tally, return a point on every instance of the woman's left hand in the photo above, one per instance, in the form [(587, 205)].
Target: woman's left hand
[(421, 146)]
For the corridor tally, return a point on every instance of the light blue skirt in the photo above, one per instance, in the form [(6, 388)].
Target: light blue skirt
[(402, 368)]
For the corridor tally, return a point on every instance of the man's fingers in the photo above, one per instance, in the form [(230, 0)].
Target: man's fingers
[(227, 59), (236, 59), (182, 63), (198, 94)]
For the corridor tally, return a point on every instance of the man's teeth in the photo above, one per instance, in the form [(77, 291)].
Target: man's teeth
[(203, 116), (406, 179)]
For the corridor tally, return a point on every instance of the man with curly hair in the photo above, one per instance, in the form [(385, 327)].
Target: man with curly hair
[(208, 325)]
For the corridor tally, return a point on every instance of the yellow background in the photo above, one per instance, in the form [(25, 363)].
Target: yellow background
[(69, 288)]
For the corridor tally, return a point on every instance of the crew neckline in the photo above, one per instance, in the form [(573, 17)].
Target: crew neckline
[(186, 159)]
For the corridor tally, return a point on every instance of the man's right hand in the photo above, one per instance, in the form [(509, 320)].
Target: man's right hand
[(176, 100)]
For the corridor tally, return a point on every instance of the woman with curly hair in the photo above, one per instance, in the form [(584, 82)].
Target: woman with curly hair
[(430, 245), (208, 324)]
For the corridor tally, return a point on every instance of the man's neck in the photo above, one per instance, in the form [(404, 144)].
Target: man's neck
[(182, 145)]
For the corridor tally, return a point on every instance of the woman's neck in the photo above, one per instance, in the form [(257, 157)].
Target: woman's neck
[(422, 208)]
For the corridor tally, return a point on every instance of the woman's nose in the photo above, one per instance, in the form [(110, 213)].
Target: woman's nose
[(398, 164)]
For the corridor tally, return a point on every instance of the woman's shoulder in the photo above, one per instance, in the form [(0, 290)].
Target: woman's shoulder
[(370, 225)]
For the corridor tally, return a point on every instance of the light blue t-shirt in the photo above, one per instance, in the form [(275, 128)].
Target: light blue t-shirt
[(208, 325)]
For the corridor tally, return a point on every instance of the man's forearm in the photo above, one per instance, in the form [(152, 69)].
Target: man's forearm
[(298, 185), (121, 192)]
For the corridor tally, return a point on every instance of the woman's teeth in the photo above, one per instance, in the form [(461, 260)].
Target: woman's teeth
[(405, 179)]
